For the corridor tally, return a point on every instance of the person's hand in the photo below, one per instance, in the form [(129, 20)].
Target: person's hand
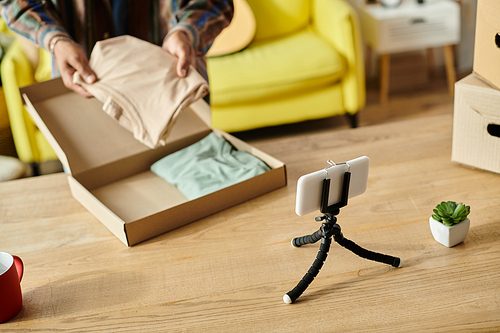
[(70, 58), (179, 45)]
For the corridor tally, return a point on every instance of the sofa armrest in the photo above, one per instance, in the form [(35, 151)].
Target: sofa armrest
[(337, 22), (16, 72)]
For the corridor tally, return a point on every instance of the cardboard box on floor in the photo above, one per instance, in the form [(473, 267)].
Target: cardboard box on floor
[(109, 170), (487, 41), (476, 124)]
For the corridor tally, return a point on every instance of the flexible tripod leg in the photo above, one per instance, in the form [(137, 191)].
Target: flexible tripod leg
[(295, 293), (309, 239), (367, 254)]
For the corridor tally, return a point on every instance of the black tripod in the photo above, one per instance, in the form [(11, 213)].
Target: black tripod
[(330, 229)]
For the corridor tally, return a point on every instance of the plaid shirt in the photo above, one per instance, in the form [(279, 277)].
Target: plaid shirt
[(88, 21)]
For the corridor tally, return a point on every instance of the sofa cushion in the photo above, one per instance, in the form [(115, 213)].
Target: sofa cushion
[(279, 17), (274, 67)]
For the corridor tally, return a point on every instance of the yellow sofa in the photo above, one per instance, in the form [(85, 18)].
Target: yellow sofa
[(304, 63)]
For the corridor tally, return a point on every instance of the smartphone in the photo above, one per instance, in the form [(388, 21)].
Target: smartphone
[(310, 186)]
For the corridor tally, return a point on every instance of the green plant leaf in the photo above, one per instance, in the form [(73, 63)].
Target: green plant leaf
[(436, 217), (450, 207), (466, 211), (443, 208), (457, 210)]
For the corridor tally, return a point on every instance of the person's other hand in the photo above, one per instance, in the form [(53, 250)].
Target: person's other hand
[(70, 58), (179, 45)]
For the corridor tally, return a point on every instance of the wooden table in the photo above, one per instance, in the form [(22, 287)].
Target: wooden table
[(228, 272)]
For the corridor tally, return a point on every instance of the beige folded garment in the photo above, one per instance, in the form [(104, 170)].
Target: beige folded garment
[(139, 87)]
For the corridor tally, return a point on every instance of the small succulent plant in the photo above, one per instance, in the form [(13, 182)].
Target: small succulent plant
[(450, 213)]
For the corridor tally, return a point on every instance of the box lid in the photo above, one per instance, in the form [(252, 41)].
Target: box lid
[(85, 137), (483, 98)]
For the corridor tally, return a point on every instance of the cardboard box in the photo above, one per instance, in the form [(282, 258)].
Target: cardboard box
[(109, 170), (487, 41), (476, 124)]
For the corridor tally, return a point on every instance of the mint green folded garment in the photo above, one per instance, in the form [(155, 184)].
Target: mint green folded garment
[(207, 166)]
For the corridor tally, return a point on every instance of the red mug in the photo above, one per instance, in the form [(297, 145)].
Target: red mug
[(11, 273)]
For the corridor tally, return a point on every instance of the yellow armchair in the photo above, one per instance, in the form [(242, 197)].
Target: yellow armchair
[(17, 71), (304, 63)]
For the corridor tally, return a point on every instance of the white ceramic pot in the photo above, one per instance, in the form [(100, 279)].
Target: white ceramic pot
[(449, 236)]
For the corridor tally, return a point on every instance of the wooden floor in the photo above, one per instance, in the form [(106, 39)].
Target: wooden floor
[(423, 99)]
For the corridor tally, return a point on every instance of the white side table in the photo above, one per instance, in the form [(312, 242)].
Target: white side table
[(409, 27)]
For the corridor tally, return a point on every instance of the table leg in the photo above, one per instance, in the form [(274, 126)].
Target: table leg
[(431, 63), (384, 77), (450, 67)]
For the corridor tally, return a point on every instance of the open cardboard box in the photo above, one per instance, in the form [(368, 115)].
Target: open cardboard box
[(109, 170), (476, 124)]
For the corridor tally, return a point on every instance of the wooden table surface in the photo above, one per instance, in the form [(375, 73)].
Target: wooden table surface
[(229, 271)]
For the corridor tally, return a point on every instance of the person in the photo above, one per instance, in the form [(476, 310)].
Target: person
[(70, 28)]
